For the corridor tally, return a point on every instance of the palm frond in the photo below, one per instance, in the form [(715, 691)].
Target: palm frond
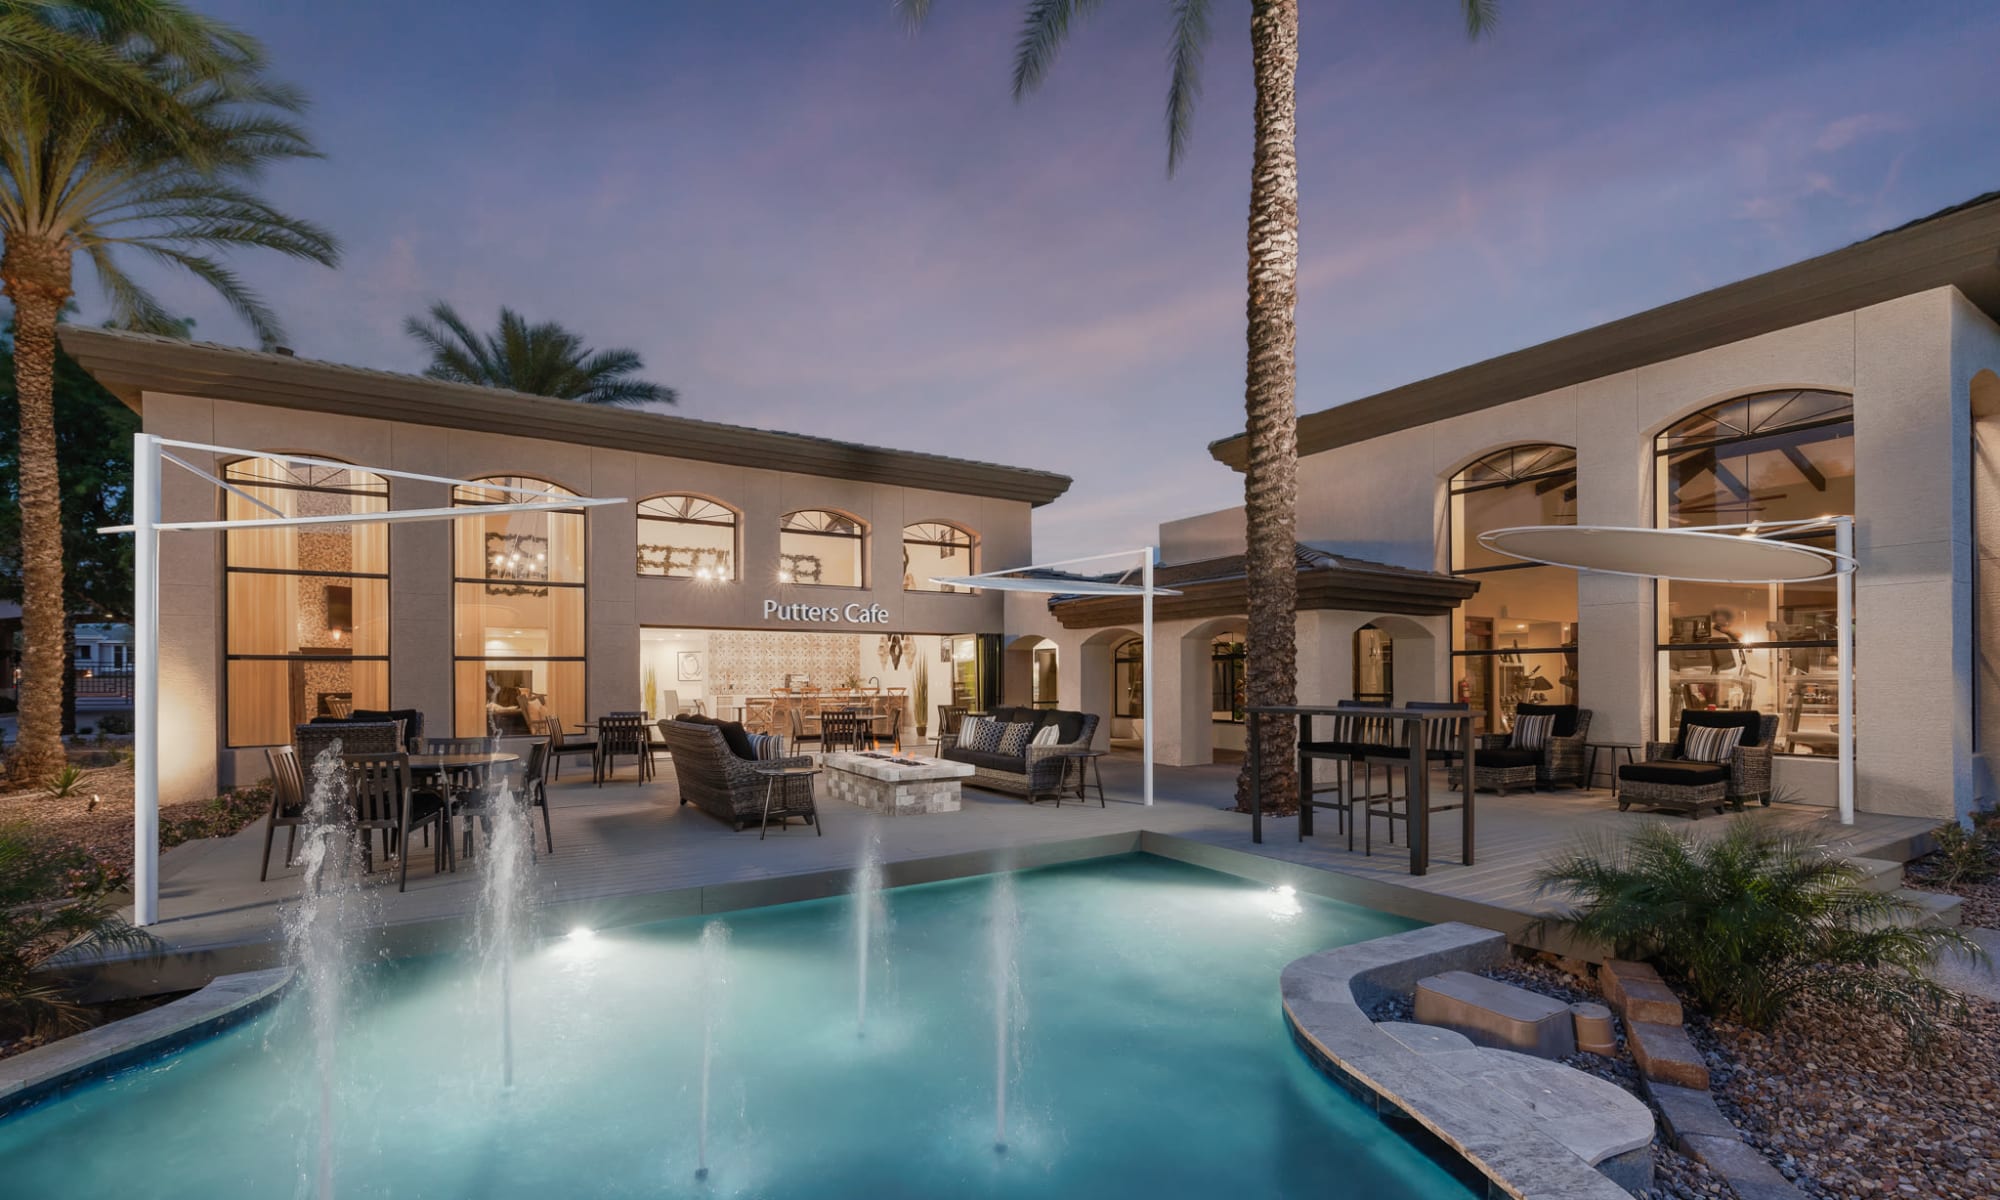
[(1189, 39), (1480, 17), (244, 301), (541, 358), (1043, 31)]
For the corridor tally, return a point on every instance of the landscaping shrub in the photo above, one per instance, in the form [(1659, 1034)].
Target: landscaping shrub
[(114, 725), (1755, 922), (63, 783), (1962, 855), (42, 912)]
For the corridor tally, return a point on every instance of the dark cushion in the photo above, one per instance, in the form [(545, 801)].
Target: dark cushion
[(1507, 757), (412, 719), (1564, 714), (1013, 764), (1751, 723), (734, 735), (1069, 725), (1440, 705), (1684, 774), (1332, 749)]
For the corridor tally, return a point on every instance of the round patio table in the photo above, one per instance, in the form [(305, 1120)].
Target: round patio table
[(777, 777)]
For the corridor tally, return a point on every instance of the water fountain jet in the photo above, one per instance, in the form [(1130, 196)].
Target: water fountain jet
[(868, 920), (1007, 1007), (714, 979)]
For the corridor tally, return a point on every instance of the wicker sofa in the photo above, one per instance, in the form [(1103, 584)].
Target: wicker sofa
[(1667, 779), (1039, 771), (714, 774)]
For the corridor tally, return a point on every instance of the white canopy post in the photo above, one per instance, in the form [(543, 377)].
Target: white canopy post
[(149, 453), (1010, 580), (1746, 553)]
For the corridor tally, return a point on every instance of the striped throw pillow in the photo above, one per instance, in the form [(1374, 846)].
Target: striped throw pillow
[(1711, 743), (1532, 733)]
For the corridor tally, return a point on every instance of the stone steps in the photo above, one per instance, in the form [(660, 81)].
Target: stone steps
[(1938, 908), (1878, 874)]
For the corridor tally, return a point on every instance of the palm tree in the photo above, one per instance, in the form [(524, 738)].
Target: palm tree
[(541, 360), (171, 184), (84, 49), (1270, 477)]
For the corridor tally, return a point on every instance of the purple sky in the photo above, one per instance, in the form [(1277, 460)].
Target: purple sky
[(805, 219)]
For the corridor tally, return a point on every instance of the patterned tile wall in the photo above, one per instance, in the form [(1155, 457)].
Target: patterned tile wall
[(753, 662)]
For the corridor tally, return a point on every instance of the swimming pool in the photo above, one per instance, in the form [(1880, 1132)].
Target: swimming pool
[(1152, 1061)]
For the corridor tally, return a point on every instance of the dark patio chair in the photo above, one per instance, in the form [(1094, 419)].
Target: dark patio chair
[(288, 804), (1669, 778), (843, 729), (385, 801), (561, 744), (618, 736)]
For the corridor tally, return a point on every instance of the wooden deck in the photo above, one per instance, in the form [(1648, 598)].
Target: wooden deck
[(627, 852)]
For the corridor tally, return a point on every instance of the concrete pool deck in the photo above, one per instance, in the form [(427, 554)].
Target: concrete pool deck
[(629, 852)]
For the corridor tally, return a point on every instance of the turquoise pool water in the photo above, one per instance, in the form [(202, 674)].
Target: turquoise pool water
[(1153, 1062)]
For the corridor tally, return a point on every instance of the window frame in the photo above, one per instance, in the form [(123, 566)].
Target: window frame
[(1123, 699), (788, 575), (1663, 518), (582, 582), (1455, 488), (734, 524), (228, 616), (970, 546)]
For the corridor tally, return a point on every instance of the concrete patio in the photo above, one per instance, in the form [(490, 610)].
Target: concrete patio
[(628, 852)]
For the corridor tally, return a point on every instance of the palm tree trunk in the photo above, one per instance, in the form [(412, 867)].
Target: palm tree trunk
[(1270, 480), (36, 278)]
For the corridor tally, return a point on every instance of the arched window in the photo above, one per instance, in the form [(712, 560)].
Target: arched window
[(935, 548), (818, 547), (687, 537), (1128, 679), (306, 606), (518, 583), (1515, 639), (1771, 456)]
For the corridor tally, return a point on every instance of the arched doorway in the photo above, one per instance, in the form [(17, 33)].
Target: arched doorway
[(1374, 665)]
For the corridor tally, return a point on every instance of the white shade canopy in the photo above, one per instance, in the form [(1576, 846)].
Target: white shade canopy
[(1693, 555)]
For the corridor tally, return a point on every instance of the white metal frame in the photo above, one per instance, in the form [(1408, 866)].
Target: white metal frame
[(1841, 564), (1009, 581), (148, 453)]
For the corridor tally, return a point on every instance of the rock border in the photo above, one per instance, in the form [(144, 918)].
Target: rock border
[(52, 1071), (1327, 997)]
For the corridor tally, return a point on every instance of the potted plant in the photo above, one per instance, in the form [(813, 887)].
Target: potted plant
[(920, 695)]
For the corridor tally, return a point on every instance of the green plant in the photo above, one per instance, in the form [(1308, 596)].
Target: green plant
[(541, 359), (114, 725), (63, 783), (1964, 855), (50, 902), (1756, 921)]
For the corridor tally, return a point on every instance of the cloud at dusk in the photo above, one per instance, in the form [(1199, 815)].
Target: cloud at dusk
[(805, 218)]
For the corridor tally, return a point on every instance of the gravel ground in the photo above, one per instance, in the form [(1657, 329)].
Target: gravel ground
[(96, 821), (1829, 1098), (1982, 900), (1832, 1101)]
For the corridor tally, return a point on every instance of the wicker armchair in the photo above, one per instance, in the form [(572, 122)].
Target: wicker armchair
[(1666, 779), (715, 778), (1500, 767)]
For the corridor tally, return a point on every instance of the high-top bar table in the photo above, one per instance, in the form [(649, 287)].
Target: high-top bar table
[(1417, 768)]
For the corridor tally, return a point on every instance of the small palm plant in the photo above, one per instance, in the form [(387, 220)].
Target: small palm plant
[(43, 912), (1756, 922), (63, 783)]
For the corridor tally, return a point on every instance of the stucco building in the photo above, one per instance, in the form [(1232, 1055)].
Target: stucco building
[(1864, 382)]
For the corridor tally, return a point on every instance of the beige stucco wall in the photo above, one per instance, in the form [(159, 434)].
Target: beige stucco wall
[(620, 602), (1909, 364)]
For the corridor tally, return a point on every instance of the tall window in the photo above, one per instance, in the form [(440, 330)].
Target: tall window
[(1128, 679), (518, 580), (1773, 456), (1515, 640), (931, 549), (1374, 665), (1225, 679), (687, 537), (821, 548), (306, 606)]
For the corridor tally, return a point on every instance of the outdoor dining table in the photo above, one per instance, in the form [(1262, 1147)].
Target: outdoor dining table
[(1417, 768), (441, 768)]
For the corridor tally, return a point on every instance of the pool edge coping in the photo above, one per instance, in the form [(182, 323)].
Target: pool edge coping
[(1324, 1014), (49, 1072)]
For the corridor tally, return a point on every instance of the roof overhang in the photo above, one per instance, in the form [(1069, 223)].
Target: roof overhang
[(1345, 587), (132, 364), (1957, 248)]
